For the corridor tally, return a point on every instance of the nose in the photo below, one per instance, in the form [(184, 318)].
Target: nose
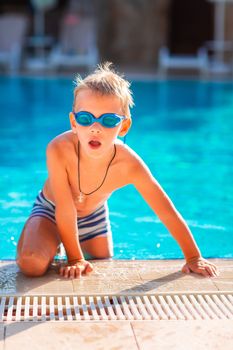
[(95, 128)]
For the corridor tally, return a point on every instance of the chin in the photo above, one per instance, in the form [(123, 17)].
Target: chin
[(94, 153)]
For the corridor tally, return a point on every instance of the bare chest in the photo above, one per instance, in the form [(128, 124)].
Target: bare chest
[(92, 187)]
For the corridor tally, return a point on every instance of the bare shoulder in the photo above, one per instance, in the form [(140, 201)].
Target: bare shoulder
[(131, 162), (61, 145), (128, 154)]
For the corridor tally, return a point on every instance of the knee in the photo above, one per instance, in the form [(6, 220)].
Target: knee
[(32, 264)]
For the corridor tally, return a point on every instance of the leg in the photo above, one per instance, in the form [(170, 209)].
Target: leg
[(98, 247), (37, 245), (95, 234)]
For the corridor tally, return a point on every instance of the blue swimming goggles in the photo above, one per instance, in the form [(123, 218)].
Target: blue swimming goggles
[(108, 120)]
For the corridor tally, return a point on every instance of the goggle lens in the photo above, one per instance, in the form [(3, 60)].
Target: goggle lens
[(84, 119), (110, 121)]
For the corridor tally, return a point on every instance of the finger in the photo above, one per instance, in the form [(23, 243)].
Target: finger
[(211, 271), (208, 271), (61, 271), (80, 266), (72, 272), (66, 271), (214, 267), (198, 269), (185, 269), (78, 272), (89, 268), (203, 272), (216, 270)]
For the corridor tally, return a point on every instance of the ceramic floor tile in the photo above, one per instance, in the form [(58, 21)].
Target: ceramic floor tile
[(85, 287), (183, 335), (137, 264), (68, 336), (225, 272), (118, 273), (12, 281), (155, 286), (58, 286), (176, 278), (222, 262), (117, 276), (224, 284), (168, 274)]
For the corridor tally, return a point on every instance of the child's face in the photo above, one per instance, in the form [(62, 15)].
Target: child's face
[(96, 104)]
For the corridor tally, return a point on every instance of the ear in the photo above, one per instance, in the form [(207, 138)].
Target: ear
[(72, 122), (126, 124)]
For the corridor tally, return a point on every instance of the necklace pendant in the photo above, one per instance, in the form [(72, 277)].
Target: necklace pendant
[(81, 197)]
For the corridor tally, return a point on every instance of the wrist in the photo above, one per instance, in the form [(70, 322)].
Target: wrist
[(75, 256), (193, 259), (75, 261), (192, 254)]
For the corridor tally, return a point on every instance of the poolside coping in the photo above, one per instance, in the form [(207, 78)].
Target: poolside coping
[(117, 277), (121, 277)]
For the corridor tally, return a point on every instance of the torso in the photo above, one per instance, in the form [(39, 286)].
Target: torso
[(117, 177)]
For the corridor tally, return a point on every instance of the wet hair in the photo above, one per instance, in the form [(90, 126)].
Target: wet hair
[(106, 81)]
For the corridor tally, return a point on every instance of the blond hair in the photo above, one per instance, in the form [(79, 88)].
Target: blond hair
[(106, 81)]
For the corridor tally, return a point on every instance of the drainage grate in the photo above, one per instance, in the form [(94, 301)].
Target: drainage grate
[(182, 306)]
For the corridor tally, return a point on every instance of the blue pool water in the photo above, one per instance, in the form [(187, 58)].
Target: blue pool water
[(183, 131)]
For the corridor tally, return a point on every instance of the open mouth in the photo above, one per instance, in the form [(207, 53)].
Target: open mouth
[(94, 144)]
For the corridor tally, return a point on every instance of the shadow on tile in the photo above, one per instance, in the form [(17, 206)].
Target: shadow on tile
[(153, 284), (14, 328)]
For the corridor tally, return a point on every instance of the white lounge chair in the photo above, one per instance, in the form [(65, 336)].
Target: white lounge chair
[(182, 62), (216, 51), (77, 45), (12, 34)]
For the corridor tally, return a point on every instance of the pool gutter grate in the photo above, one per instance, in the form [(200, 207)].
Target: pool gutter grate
[(175, 306)]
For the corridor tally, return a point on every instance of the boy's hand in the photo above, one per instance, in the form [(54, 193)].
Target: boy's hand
[(76, 269), (201, 266)]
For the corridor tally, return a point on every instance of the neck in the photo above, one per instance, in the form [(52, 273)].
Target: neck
[(83, 194), (89, 161)]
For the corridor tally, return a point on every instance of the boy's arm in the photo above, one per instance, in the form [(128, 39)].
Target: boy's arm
[(158, 200), (160, 203), (65, 212)]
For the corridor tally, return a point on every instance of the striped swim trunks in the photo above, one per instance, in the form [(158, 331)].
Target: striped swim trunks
[(94, 225)]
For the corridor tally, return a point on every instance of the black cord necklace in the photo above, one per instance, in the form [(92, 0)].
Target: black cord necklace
[(82, 195)]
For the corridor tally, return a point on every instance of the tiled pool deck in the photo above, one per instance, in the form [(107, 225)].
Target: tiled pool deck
[(118, 277)]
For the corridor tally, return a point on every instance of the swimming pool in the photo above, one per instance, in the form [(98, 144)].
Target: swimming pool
[(183, 131)]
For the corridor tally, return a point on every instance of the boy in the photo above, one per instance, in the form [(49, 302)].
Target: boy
[(85, 165)]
